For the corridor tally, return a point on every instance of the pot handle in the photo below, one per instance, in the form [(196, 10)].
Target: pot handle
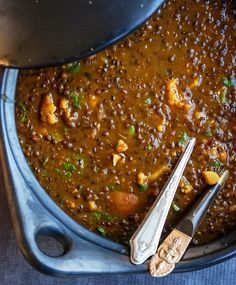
[(34, 217), (31, 220)]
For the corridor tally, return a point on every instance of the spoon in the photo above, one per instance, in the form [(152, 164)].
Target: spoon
[(144, 241), (40, 33), (174, 246)]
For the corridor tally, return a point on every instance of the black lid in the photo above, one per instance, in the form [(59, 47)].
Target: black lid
[(36, 33)]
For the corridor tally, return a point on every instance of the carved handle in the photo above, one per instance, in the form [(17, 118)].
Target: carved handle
[(172, 249), (169, 253), (145, 240)]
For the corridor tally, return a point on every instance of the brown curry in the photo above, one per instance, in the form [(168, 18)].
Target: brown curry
[(102, 135)]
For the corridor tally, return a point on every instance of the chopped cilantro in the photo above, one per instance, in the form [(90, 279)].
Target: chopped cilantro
[(215, 163), (58, 171), (57, 137), (209, 133), (45, 162), (68, 169), (114, 187), (102, 216), (175, 207), (76, 97), (223, 94), (183, 138), (229, 83), (75, 67), (142, 187), (96, 215), (22, 107), (149, 147), (131, 130), (68, 166), (107, 217), (68, 174), (147, 102), (102, 231)]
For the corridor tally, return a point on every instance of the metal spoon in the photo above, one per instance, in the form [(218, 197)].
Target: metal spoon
[(39, 33), (145, 240)]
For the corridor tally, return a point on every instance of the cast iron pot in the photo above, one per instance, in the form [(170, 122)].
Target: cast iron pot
[(34, 214)]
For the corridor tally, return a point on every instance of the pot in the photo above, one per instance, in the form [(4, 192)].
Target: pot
[(35, 214)]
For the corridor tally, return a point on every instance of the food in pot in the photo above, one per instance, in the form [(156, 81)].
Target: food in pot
[(102, 135)]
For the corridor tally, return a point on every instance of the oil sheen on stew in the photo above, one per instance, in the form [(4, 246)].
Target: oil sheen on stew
[(102, 135)]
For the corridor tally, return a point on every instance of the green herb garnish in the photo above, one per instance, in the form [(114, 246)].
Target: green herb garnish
[(102, 231), (22, 107), (102, 216), (142, 187), (209, 133), (131, 130), (229, 83), (215, 163), (68, 174), (147, 102), (57, 137), (183, 138), (175, 207), (149, 147), (75, 67), (68, 166), (114, 187), (96, 215), (76, 97), (45, 162), (223, 94), (68, 169), (58, 171)]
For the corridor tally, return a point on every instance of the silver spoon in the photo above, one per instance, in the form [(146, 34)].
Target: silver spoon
[(145, 240)]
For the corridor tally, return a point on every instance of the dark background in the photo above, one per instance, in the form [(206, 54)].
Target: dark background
[(14, 270)]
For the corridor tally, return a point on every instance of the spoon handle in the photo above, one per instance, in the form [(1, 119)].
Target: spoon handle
[(191, 221), (145, 240)]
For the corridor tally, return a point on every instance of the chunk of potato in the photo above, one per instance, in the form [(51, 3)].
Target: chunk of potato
[(65, 108), (174, 98), (121, 146), (142, 179), (47, 110), (123, 203), (210, 177)]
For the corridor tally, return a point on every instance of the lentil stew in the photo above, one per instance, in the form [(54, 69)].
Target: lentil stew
[(102, 135)]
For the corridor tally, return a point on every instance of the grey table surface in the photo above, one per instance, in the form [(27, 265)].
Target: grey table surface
[(14, 270)]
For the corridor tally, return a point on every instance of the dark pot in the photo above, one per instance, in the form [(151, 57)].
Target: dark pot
[(34, 213)]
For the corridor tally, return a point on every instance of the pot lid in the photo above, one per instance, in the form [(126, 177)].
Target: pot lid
[(39, 33)]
